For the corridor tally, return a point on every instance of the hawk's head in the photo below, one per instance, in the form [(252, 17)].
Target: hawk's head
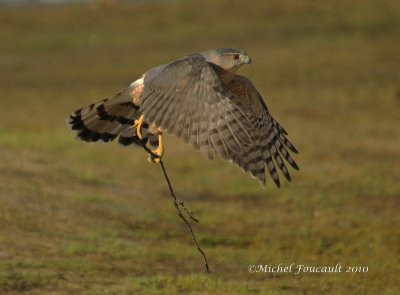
[(227, 58)]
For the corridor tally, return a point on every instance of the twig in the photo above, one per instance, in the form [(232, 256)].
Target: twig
[(177, 204), (189, 212)]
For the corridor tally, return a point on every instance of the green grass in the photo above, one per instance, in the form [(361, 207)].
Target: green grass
[(97, 219)]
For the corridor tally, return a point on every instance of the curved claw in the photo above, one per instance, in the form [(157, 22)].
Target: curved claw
[(157, 153), (138, 125)]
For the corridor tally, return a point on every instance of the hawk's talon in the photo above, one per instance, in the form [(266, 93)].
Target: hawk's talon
[(154, 159), (157, 154), (138, 125)]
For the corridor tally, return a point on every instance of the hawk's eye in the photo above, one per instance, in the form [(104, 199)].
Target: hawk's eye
[(236, 56)]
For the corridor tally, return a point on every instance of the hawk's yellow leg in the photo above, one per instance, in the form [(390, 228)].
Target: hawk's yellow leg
[(159, 151), (138, 125)]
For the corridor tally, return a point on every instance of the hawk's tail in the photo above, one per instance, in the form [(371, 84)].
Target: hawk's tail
[(108, 119)]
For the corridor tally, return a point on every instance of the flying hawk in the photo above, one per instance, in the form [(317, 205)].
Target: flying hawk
[(200, 99)]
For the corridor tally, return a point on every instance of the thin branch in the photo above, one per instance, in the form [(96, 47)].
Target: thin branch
[(188, 212), (177, 204)]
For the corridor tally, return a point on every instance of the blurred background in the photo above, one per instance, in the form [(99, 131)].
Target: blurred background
[(98, 219)]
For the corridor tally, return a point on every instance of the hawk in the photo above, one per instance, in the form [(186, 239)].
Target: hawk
[(200, 99)]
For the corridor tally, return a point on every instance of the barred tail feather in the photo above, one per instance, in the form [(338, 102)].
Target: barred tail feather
[(107, 119)]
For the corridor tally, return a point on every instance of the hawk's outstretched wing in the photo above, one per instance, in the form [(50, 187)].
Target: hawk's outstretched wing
[(269, 138), (189, 99)]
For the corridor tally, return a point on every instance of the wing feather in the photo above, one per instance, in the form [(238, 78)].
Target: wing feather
[(269, 137)]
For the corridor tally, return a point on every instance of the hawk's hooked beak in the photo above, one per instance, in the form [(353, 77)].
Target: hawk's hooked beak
[(247, 60)]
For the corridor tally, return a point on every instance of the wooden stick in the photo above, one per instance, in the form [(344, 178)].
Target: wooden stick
[(177, 204)]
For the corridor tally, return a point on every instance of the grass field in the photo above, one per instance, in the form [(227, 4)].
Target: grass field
[(97, 219)]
